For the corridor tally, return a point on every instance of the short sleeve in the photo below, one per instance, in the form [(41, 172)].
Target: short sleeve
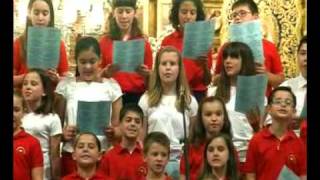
[(63, 62), (114, 87), (55, 126), (61, 87), (36, 154), (193, 107), (143, 103), (148, 60)]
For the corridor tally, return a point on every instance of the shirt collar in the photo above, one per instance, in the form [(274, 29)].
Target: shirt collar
[(267, 134), (97, 175), (302, 82), (119, 149)]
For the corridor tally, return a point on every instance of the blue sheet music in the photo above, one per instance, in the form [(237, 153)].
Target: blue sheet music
[(251, 34), (304, 110), (198, 38), (128, 55), (287, 174), (43, 47), (251, 93), (93, 116)]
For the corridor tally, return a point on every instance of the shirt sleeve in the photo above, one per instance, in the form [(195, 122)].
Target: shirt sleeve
[(148, 60), (55, 125), (16, 57), (63, 63), (193, 107), (115, 89), (62, 87), (250, 164), (36, 155), (143, 103), (276, 66)]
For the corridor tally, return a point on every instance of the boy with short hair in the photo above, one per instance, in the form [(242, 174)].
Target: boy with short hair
[(27, 154), (156, 152), (245, 11), (276, 145), (125, 160)]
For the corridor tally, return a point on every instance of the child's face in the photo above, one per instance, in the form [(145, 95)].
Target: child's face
[(88, 65), (131, 125), (187, 13), (86, 151), (281, 106), (157, 158), (17, 112), (169, 67), (39, 14), (32, 87), (217, 153), (302, 59), (242, 14), (232, 66), (212, 117), (124, 16)]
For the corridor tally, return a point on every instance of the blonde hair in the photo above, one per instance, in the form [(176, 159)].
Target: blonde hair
[(155, 89)]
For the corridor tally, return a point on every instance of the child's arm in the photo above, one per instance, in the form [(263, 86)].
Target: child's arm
[(37, 173), (54, 156)]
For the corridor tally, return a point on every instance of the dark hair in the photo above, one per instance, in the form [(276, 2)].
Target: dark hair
[(83, 44), (174, 12), (198, 133), (117, 3), (114, 32), (156, 137), (131, 107), (282, 88), (231, 172), (250, 3), (87, 133), (302, 41), (23, 38), (46, 105), (235, 50)]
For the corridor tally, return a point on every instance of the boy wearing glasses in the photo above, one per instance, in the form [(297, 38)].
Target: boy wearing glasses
[(276, 145), (244, 11)]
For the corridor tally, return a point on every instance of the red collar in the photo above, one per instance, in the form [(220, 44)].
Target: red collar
[(267, 134), (119, 149)]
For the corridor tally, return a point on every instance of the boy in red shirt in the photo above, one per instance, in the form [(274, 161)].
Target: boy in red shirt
[(27, 154), (125, 160), (86, 153), (276, 145), (244, 11)]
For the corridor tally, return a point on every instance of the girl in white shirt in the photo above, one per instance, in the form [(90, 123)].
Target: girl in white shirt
[(90, 87), (161, 104), (237, 60), (41, 121)]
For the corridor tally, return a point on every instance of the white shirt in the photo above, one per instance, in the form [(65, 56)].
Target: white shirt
[(166, 118), (73, 91), (241, 129), (43, 127)]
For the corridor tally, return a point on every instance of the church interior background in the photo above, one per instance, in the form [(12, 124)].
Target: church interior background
[(284, 22)]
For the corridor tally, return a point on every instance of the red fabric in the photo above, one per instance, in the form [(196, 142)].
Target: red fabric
[(129, 82), (272, 60), (196, 161), (76, 176), (21, 68), (267, 155), (120, 164), (68, 165), (193, 70), (303, 131), (27, 155)]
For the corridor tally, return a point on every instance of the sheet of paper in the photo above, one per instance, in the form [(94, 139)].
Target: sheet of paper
[(251, 34), (251, 93), (128, 55), (93, 116), (304, 110), (287, 174), (198, 38), (43, 47)]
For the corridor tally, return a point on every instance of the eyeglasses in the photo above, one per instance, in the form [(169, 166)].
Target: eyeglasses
[(241, 14), (286, 102)]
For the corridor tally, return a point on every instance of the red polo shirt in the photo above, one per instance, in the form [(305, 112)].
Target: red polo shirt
[(27, 155), (303, 131), (272, 61), (76, 176), (193, 69), (129, 82), (21, 68), (267, 155), (119, 163)]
